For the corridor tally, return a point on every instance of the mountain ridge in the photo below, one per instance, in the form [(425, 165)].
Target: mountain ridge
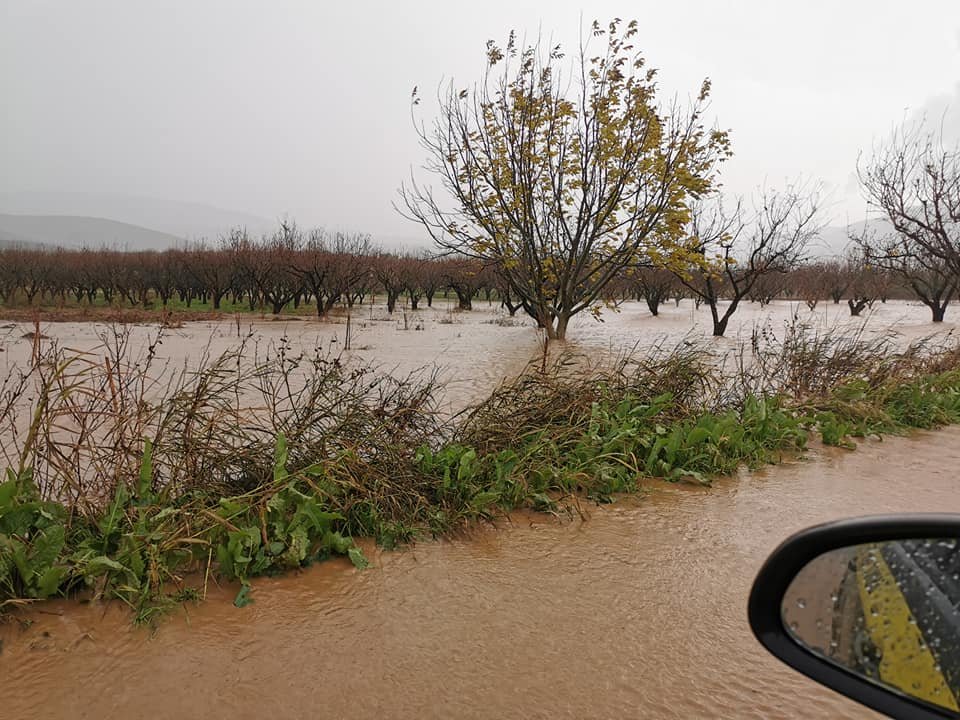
[(75, 231), (187, 220)]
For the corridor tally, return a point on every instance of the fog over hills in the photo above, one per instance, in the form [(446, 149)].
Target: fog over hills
[(77, 219), (190, 221), (70, 231), (834, 241), (74, 231)]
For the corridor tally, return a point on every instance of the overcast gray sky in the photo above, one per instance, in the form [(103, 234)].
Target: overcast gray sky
[(303, 107)]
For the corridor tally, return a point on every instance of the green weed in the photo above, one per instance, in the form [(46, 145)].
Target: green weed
[(149, 491)]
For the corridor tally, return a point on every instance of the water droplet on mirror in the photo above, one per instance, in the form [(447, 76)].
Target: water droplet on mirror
[(801, 603)]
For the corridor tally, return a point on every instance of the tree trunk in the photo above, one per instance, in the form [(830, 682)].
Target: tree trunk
[(392, 301), (556, 329), (720, 322), (856, 307), (508, 303), (324, 306), (938, 310)]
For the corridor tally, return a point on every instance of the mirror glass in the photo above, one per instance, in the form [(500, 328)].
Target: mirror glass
[(887, 611)]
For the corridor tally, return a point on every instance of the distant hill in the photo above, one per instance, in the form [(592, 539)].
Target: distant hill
[(183, 220), (71, 231), (9, 240), (835, 240)]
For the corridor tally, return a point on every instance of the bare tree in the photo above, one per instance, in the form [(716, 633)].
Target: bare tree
[(507, 300), (314, 265), (352, 265), (654, 286), (928, 276), (268, 265), (735, 252), (914, 180), (768, 288), (464, 276), (431, 277), (837, 276), (412, 273), (862, 288), (213, 271), (388, 270), (812, 283)]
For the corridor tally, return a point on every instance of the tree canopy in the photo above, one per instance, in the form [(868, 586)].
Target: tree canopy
[(562, 182)]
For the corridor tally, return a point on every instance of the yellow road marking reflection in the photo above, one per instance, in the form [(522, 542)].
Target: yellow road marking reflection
[(906, 661)]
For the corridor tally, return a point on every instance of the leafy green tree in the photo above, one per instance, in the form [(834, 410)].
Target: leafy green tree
[(562, 182)]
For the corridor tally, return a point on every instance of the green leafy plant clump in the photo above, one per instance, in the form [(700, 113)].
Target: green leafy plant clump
[(144, 542), (139, 549)]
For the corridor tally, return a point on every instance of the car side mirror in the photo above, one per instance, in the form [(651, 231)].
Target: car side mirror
[(869, 607)]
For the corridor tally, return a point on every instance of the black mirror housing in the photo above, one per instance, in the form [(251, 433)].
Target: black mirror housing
[(794, 554)]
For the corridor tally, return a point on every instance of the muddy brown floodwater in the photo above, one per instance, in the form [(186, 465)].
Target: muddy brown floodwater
[(639, 611), (472, 351)]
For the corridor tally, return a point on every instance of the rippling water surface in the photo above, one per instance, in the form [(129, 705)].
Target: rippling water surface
[(639, 611)]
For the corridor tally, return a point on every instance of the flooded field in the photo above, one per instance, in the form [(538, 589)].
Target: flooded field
[(472, 350), (637, 611)]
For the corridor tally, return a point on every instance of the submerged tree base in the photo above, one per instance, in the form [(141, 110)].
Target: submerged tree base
[(246, 467)]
